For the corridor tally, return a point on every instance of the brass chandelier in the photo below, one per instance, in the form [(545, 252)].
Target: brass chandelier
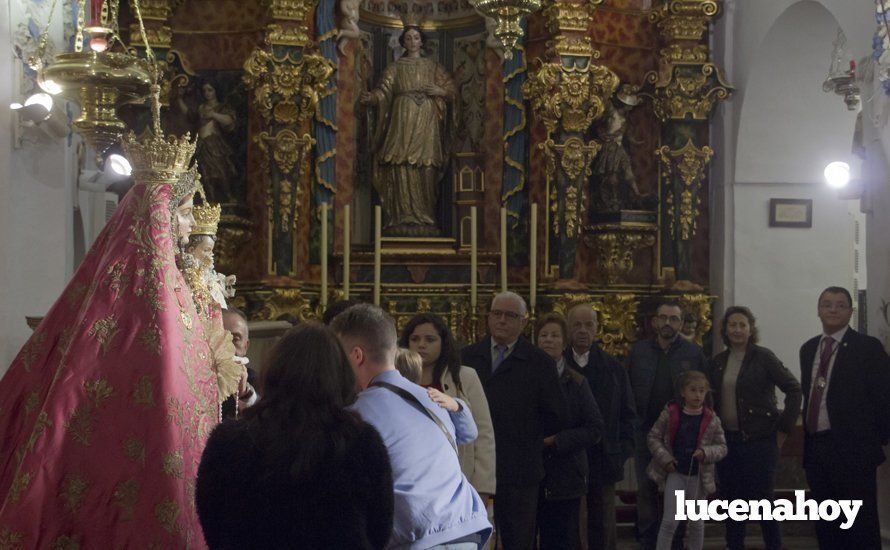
[(508, 15), (99, 77)]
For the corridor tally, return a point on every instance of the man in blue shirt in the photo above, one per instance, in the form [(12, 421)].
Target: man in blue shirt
[(434, 506)]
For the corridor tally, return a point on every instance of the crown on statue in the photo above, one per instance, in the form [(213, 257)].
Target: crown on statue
[(157, 158), (206, 219), (411, 16)]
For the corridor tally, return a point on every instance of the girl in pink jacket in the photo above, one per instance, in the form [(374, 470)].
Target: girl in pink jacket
[(686, 441)]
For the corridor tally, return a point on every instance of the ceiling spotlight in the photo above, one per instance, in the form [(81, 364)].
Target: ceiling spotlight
[(837, 174), (118, 164)]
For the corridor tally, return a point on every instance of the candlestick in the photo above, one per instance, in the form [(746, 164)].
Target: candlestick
[(377, 242), (324, 255), (474, 250), (503, 249), (346, 236), (533, 259)]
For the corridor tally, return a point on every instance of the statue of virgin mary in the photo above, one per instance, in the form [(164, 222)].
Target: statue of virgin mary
[(411, 145), (105, 411)]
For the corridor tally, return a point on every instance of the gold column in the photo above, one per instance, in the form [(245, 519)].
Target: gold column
[(286, 84), (683, 90), (567, 94)]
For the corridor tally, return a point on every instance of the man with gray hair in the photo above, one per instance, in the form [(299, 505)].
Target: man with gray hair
[(527, 405), (434, 506)]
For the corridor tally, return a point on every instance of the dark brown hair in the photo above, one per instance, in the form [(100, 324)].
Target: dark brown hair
[(732, 310), (306, 384), (838, 290), (449, 357)]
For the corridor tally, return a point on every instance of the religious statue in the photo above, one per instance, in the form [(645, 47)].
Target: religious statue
[(613, 184), (215, 156), (411, 148), (200, 246), (118, 376)]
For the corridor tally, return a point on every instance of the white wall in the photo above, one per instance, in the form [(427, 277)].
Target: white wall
[(772, 140), (779, 272), (35, 206)]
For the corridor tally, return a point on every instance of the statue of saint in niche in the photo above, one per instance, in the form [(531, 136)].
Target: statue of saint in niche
[(215, 156), (613, 184), (411, 140)]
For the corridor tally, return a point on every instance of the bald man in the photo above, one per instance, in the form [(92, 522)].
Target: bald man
[(611, 389)]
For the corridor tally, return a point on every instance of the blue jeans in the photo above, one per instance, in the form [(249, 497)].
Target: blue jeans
[(749, 473)]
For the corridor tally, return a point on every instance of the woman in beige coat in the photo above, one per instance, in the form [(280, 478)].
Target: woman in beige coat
[(427, 335)]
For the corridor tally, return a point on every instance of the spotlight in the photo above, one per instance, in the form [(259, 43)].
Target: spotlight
[(37, 108), (118, 164), (115, 168), (837, 174)]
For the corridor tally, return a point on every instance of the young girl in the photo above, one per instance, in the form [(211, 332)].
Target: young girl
[(686, 441)]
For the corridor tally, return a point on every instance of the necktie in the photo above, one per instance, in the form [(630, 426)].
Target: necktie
[(819, 384), (499, 358)]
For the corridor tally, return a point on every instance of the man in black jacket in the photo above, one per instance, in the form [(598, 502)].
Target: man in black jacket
[(654, 367), (611, 389), (527, 405), (846, 380)]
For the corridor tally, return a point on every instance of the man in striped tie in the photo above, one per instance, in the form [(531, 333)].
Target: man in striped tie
[(846, 384)]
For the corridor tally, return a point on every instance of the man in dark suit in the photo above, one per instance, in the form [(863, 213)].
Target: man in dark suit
[(527, 405), (611, 389), (846, 382)]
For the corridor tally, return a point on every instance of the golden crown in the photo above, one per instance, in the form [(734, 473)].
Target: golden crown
[(411, 16), (155, 157), (206, 219)]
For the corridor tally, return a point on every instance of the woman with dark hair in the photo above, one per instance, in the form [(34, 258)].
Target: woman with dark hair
[(427, 335), (298, 470), (566, 472), (744, 378)]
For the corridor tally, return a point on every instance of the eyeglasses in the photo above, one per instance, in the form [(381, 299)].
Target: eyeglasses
[(509, 315), (673, 319)]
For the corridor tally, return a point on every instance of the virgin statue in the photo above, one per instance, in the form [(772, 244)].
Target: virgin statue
[(411, 138), (105, 411)]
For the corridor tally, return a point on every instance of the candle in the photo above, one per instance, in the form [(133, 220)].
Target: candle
[(324, 255), (503, 249), (474, 250), (346, 237), (377, 239), (533, 259)]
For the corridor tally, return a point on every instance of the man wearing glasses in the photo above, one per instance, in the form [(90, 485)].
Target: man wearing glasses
[(846, 382), (527, 405), (654, 366)]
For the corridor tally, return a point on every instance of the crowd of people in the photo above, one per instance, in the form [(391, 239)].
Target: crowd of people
[(441, 444)]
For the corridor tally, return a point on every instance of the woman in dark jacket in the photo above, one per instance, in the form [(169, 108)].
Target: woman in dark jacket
[(745, 377), (565, 452), (298, 471)]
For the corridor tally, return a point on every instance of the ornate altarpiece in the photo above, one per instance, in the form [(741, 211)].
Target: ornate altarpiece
[(290, 133)]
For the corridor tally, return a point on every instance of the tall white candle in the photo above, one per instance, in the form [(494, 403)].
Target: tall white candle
[(346, 237), (503, 249), (378, 213), (324, 255), (474, 260), (533, 259)]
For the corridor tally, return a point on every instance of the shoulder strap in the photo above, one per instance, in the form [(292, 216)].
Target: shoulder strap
[(414, 402)]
